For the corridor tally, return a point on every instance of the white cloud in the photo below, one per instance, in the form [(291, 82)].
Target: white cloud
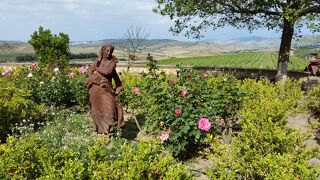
[(81, 19)]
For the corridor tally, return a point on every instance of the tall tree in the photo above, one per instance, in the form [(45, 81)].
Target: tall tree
[(50, 49), (288, 16)]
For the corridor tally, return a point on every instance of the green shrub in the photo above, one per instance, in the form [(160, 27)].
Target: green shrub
[(29, 158), (51, 50), (314, 100), (61, 88), (265, 148), (170, 113), (144, 160), (16, 107), (65, 149)]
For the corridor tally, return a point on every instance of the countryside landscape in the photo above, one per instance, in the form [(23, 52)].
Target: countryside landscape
[(136, 103)]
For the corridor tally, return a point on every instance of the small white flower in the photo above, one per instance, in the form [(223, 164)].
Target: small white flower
[(56, 70), (41, 82), (30, 75)]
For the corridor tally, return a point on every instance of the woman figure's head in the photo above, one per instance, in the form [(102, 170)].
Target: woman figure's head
[(106, 51)]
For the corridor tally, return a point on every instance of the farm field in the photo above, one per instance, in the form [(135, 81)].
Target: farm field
[(258, 60)]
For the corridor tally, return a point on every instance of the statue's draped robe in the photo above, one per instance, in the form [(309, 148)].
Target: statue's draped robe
[(105, 111)]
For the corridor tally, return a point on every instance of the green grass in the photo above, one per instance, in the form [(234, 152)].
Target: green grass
[(257, 60)]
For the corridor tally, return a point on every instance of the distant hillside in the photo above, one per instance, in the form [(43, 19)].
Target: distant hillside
[(307, 42), (2, 42), (167, 48)]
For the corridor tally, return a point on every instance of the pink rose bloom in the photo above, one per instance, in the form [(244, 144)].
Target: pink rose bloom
[(136, 90), (178, 112), (184, 93), (33, 66), (204, 124), (164, 136), (205, 75), (82, 70), (7, 72)]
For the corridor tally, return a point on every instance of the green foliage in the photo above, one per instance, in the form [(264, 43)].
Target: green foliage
[(160, 96), (16, 107), (265, 148), (64, 149), (314, 99), (144, 160), (258, 60), (83, 56), (50, 50), (195, 16), (29, 158), (53, 88), (192, 17), (25, 58)]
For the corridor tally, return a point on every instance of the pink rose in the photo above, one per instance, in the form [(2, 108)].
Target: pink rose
[(178, 112), (164, 136), (7, 72), (204, 124), (184, 93), (82, 70), (136, 90), (205, 75), (33, 66)]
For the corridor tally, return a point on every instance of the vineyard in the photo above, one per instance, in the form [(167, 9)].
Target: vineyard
[(258, 60)]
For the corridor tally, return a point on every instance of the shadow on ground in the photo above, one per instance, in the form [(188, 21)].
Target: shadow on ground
[(131, 130)]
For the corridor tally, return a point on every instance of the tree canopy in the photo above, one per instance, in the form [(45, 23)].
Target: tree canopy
[(50, 49), (192, 17)]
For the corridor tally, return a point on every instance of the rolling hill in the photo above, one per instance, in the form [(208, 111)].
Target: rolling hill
[(168, 48)]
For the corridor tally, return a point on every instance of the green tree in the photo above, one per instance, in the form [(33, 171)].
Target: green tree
[(288, 16), (50, 50)]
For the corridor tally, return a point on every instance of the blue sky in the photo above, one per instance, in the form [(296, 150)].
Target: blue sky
[(94, 20)]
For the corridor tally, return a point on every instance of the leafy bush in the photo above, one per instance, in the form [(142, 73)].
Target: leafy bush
[(50, 50), (52, 86), (65, 149), (144, 160), (314, 100), (173, 106), (25, 58), (265, 148), (16, 107), (29, 158)]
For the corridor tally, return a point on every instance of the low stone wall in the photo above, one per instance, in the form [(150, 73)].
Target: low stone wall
[(239, 73)]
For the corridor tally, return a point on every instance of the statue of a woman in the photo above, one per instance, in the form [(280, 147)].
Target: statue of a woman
[(105, 111)]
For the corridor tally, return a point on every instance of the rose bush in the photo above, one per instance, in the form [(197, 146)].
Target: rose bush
[(52, 86), (175, 104)]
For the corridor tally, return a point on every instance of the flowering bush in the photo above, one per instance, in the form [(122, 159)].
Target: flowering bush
[(52, 86), (65, 150), (176, 103), (16, 107), (265, 148)]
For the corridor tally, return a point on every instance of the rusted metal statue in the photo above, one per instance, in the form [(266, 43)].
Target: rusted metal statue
[(314, 65), (105, 111)]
